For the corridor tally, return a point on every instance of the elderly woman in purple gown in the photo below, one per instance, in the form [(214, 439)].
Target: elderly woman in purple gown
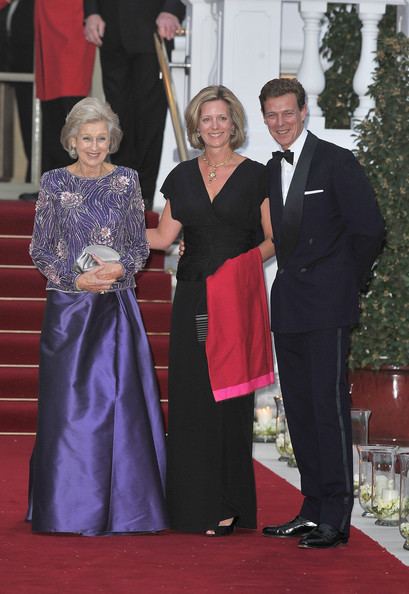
[(98, 461)]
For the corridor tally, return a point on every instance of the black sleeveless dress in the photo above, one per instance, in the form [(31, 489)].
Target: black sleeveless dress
[(210, 470)]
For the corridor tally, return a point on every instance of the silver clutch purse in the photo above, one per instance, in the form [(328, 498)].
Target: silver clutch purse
[(85, 261)]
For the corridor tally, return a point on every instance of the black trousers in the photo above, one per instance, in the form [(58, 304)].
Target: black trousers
[(54, 113), (313, 376), (21, 59), (136, 93)]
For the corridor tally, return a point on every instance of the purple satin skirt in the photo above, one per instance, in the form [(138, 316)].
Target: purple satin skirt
[(98, 464)]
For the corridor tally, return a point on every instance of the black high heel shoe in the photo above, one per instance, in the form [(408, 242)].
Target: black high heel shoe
[(222, 530)]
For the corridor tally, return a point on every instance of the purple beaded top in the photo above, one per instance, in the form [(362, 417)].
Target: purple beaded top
[(73, 212)]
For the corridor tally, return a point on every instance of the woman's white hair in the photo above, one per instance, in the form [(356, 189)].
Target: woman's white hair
[(86, 111)]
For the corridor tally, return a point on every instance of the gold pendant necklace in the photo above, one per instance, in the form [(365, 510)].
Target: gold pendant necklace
[(212, 168)]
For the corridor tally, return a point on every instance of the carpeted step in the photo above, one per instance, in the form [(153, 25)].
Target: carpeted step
[(18, 417), (29, 282), (14, 252), (23, 348), (19, 382), (23, 314), (162, 377), (17, 217), (19, 349)]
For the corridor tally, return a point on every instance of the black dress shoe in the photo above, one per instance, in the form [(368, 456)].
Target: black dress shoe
[(296, 527), (323, 537), (29, 197)]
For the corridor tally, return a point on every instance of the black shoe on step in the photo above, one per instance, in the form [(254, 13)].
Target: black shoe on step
[(323, 537), (296, 527), (29, 197)]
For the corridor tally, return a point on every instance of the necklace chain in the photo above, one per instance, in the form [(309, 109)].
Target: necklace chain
[(213, 167)]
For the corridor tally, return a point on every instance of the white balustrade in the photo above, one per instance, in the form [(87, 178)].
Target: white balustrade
[(311, 72), (370, 13)]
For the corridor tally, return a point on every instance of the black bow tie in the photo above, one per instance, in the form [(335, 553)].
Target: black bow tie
[(287, 155)]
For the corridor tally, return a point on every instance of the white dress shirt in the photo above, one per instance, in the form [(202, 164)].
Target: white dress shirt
[(287, 170)]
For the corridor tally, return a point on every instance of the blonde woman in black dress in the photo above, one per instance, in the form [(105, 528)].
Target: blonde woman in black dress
[(219, 200)]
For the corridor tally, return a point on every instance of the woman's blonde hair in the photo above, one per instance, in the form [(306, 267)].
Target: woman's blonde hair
[(214, 93), (86, 111)]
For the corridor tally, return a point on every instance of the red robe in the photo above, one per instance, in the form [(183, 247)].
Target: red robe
[(64, 60)]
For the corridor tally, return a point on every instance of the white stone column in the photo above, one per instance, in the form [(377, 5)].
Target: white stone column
[(403, 19), (250, 57), (311, 72), (203, 25), (370, 14)]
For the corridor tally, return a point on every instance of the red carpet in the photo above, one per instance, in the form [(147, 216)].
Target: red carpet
[(245, 563)]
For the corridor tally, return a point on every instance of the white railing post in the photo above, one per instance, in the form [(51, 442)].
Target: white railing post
[(311, 72), (370, 14)]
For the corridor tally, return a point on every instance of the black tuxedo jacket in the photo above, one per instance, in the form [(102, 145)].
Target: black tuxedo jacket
[(132, 22), (327, 237)]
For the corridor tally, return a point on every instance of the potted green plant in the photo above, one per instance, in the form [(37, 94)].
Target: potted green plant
[(380, 345)]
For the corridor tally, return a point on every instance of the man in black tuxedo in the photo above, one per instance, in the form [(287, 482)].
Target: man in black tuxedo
[(123, 29), (327, 233)]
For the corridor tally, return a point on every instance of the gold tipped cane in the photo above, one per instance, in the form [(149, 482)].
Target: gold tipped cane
[(171, 97)]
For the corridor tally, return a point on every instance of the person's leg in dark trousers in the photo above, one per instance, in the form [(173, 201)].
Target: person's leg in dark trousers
[(135, 92), (150, 118), (312, 369), (24, 99), (54, 113), (117, 82), (21, 59)]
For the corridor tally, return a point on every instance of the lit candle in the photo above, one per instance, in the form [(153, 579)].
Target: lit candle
[(381, 482), (389, 495), (264, 415)]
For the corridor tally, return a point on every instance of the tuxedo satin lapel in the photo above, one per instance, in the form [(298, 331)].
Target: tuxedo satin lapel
[(293, 209), (276, 196)]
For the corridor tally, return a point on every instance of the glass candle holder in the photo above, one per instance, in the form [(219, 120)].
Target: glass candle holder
[(404, 498), (365, 486), (385, 487), (365, 480), (264, 427), (281, 429), (360, 422)]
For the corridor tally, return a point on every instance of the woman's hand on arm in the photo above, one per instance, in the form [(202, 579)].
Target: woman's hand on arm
[(166, 232), (266, 247)]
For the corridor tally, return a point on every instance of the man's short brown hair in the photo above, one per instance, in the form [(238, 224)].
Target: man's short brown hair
[(282, 86)]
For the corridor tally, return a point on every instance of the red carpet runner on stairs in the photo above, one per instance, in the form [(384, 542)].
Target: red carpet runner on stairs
[(170, 563), (22, 300)]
